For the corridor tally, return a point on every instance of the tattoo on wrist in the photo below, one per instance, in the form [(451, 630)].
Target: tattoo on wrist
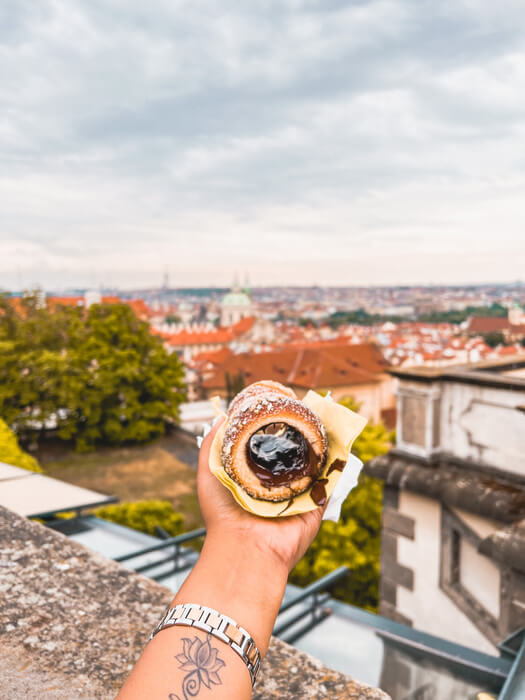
[(202, 663)]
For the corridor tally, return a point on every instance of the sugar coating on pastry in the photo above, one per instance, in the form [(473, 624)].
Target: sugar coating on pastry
[(258, 388), (274, 446)]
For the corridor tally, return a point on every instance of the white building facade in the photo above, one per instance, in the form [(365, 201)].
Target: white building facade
[(453, 532)]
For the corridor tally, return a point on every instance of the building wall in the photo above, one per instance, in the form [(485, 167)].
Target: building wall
[(473, 422), (388, 391), (230, 315), (483, 424), (429, 608), (367, 395)]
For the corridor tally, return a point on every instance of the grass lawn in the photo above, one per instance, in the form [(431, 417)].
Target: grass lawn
[(133, 474)]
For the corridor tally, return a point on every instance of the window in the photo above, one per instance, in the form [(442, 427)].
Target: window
[(470, 579)]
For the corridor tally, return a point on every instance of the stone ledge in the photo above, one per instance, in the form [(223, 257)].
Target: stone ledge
[(72, 624), (482, 494)]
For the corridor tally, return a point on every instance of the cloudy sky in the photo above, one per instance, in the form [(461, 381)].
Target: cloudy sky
[(299, 141)]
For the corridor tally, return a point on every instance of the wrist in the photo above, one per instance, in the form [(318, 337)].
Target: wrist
[(250, 582), (246, 546)]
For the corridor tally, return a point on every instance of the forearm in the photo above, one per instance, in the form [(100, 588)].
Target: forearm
[(238, 579)]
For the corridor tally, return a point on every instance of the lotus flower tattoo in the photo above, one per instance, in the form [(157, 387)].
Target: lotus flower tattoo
[(202, 663)]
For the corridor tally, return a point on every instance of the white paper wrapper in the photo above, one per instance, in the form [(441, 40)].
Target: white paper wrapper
[(346, 483)]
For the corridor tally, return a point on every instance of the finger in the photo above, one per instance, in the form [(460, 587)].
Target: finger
[(322, 509), (204, 453)]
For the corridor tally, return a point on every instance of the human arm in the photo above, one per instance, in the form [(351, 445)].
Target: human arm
[(241, 572)]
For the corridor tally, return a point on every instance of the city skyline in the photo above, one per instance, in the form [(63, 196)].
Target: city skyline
[(300, 143)]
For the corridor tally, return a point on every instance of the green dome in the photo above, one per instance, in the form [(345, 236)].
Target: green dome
[(236, 299)]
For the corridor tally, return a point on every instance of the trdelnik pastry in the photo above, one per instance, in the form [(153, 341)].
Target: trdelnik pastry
[(280, 456)]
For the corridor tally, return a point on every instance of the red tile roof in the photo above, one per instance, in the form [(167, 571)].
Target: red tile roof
[(139, 306), (53, 302), (243, 326), (308, 368), (508, 350), (195, 337), (216, 336), (215, 357), (482, 324)]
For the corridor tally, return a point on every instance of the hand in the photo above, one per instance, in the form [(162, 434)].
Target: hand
[(285, 538)]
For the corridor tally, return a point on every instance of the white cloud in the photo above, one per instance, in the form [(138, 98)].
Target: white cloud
[(299, 139)]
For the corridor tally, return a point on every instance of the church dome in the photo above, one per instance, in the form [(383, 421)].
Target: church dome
[(236, 299)]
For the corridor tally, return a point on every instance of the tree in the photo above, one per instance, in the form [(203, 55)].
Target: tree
[(145, 516), (355, 540), (172, 318), (494, 338), (458, 316), (93, 377), (12, 453)]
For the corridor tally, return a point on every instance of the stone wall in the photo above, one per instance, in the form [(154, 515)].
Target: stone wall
[(484, 425), (72, 624)]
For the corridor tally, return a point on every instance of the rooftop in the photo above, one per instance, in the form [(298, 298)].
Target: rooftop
[(196, 335), (33, 494), (307, 367), (504, 372)]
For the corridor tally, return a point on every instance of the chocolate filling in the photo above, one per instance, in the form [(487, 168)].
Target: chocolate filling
[(278, 454), (337, 466), (318, 492)]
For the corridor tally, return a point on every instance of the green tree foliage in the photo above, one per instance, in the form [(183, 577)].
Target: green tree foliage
[(95, 376), (363, 318), (12, 453), (355, 540), (144, 516), (494, 338), (305, 322), (359, 316), (456, 316)]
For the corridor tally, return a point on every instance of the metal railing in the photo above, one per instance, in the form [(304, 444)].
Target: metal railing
[(514, 686), (315, 612), (177, 556), (180, 539), (315, 594)]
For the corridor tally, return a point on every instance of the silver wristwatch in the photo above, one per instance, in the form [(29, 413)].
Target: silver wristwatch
[(220, 626)]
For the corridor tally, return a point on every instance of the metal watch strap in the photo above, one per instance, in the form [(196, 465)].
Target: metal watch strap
[(220, 626)]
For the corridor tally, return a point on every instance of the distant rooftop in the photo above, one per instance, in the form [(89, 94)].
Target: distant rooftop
[(324, 365), (33, 494), (505, 372)]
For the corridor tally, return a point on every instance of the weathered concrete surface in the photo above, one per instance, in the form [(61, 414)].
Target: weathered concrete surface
[(507, 546), (73, 623)]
